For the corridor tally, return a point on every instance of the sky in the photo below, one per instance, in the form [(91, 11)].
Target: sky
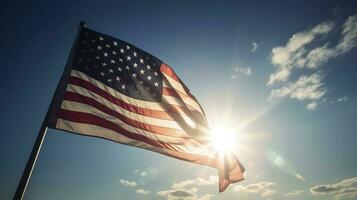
[(281, 73)]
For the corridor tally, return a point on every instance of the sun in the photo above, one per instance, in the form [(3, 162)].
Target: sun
[(223, 139)]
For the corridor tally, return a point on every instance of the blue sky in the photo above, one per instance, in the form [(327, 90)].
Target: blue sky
[(282, 73)]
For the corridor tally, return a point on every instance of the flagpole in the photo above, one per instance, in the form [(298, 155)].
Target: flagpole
[(26, 175), (21, 187)]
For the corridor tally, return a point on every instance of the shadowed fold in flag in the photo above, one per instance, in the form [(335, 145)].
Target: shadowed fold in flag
[(113, 90)]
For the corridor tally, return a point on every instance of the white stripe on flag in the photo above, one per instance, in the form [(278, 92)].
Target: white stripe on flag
[(131, 115), (136, 102), (84, 108), (171, 83), (99, 131)]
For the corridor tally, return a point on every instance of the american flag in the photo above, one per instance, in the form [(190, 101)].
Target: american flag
[(116, 91)]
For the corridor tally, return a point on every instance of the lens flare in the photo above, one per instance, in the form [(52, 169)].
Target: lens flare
[(284, 165)]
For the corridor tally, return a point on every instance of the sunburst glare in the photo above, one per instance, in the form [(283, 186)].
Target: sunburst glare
[(223, 139)]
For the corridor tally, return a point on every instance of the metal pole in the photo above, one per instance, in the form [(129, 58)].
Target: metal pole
[(26, 175), (48, 122)]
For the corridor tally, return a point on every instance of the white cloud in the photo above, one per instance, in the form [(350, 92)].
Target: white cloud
[(300, 177), (179, 194), (349, 36), (141, 173), (312, 106), (184, 194), (179, 190), (142, 191), (262, 188), (287, 57), (305, 88), (128, 183), (281, 74), (294, 193), (316, 57), (295, 54), (206, 197), (246, 71), (344, 189), (268, 192), (255, 46), (342, 99), (196, 182), (302, 52)]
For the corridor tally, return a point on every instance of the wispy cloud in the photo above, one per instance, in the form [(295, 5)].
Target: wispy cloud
[(141, 173), (294, 193), (300, 177), (177, 194), (263, 188), (196, 182), (128, 183), (301, 51), (285, 58), (305, 88), (187, 189), (349, 36), (312, 105), (255, 46), (344, 189), (268, 193), (142, 191), (207, 197), (342, 99), (243, 70), (240, 70), (184, 194)]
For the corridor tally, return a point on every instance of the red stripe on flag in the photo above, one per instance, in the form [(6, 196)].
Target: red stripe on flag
[(173, 110), (176, 93), (179, 95), (168, 71), (87, 118), (170, 92), (83, 118), (71, 96)]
